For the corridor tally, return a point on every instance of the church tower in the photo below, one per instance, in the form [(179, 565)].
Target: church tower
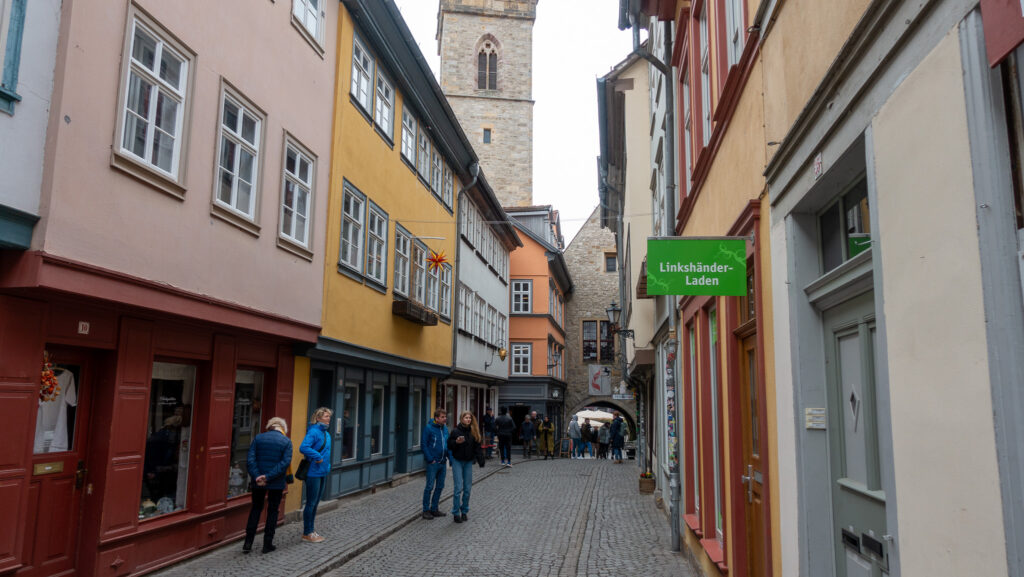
[(486, 49)]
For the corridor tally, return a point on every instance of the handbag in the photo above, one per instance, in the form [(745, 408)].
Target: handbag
[(303, 469)]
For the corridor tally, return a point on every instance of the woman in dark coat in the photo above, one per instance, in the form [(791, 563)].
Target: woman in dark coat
[(618, 436), (546, 436), (527, 432), (269, 456)]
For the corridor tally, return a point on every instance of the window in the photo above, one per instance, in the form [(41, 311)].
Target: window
[(589, 341), (362, 72), (155, 91), (521, 296), (402, 248), (246, 424), (487, 136), (695, 472), (307, 12), (487, 67), (480, 310), (446, 291), (466, 304), (433, 287), (408, 136), (349, 421), (353, 206), (607, 343), (491, 334), (715, 442), (418, 396), (377, 422), (169, 430), (687, 131), (845, 227), (521, 353), (705, 76), (449, 187), (502, 328), (377, 245), (734, 29), (424, 164), (419, 275), (610, 262), (384, 111), (435, 172), (239, 156), (299, 168), (12, 23)]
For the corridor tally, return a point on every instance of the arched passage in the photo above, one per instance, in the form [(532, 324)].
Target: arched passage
[(605, 403)]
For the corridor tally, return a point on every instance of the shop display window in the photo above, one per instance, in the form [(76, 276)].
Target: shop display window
[(169, 432), (377, 422), (349, 421), (245, 426)]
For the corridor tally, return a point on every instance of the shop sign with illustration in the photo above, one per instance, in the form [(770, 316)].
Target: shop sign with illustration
[(715, 266)]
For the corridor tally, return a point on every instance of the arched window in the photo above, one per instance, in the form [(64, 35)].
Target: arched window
[(487, 66)]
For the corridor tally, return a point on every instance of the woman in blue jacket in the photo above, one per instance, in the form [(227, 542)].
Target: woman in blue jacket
[(317, 448), (269, 456)]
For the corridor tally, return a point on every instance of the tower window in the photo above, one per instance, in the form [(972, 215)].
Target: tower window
[(487, 67), (487, 136)]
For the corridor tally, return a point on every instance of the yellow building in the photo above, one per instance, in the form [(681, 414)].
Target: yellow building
[(400, 160)]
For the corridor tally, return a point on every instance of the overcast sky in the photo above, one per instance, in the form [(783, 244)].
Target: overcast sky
[(574, 43)]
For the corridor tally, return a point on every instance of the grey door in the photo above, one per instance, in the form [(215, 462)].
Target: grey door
[(858, 502)]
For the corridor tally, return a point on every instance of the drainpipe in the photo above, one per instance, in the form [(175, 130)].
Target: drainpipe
[(665, 68)]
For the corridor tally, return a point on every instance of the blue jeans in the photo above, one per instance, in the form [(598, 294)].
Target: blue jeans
[(314, 490), (505, 447), (435, 476), (617, 453), (577, 446), (462, 475)]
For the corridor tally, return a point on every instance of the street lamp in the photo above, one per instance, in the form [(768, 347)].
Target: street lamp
[(555, 356), (613, 317)]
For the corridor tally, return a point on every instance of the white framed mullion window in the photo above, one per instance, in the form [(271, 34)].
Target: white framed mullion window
[(419, 274), (238, 156), (734, 29), (433, 287), (362, 72), (435, 172), (402, 254), (446, 291), (492, 325), (687, 131), (466, 304), (521, 290), (307, 12), (408, 135), (353, 213), (479, 312), (521, 353), (424, 159), (299, 171), (377, 244), (154, 105), (384, 108), (705, 77), (449, 187)]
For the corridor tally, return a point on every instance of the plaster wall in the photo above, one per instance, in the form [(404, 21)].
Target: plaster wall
[(354, 311), (95, 214), (950, 518), (23, 135)]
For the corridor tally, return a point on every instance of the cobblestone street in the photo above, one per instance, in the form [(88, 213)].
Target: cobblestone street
[(562, 517)]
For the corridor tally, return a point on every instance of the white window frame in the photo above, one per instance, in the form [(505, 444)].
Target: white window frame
[(159, 89), (436, 166), (522, 354), (687, 131), (522, 295), (446, 291), (408, 136), (433, 288), (492, 327), (466, 306), (403, 254), (384, 105), (376, 244), (303, 11), (419, 273), (353, 220), (479, 315), (291, 213), (705, 76), (734, 30), (423, 166), (241, 144), (449, 187), (502, 328), (361, 88)]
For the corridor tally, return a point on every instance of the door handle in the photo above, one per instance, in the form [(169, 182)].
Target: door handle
[(80, 474), (748, 480)]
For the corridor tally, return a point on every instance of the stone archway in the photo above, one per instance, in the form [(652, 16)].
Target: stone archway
[(605, 402)]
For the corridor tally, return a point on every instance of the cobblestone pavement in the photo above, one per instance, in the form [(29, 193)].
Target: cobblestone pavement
[(554, 518)]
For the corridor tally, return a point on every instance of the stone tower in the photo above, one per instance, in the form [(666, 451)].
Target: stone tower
[(486, 49)]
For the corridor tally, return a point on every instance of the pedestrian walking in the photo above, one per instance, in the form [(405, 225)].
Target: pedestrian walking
[(434, 443), (270, 454), (576, 434), (603, 439), (587, 435), (316, 447), (506, 429), (536, 423), (464, 450), (617, 434), (527, 433), (546, 438), (489, 431)]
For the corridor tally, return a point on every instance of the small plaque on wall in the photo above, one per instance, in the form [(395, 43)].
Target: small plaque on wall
[(815, 419)]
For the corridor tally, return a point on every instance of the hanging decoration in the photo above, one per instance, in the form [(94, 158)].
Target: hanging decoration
[(49, 389), (436, 260)]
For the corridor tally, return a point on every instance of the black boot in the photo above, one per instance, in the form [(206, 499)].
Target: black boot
[(269, 547), (247, 545)]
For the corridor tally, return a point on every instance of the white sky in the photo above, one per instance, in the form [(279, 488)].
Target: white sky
[(574, 43)]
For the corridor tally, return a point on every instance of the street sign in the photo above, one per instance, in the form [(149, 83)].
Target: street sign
[(714, 266)]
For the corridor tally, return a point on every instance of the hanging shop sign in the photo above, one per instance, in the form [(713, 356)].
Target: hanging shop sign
[(715, 266), (1003, 21)]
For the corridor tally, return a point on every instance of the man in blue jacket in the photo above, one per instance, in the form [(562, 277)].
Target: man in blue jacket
[(435, 452)]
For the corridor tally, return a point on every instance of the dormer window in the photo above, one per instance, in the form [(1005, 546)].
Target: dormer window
[(487, 67)]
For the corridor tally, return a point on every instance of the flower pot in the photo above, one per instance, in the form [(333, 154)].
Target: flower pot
[(646, 485)]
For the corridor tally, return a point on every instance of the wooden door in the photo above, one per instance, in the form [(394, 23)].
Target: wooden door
[(754, 447), (59, 478)]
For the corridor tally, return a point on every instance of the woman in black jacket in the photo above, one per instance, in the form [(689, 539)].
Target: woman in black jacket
[(465, 448), (527, 432), (269, 456)]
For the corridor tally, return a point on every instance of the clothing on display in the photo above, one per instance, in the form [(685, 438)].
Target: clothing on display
[(52, 417)]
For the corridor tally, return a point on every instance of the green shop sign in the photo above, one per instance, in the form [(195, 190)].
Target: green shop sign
[(697, 266)]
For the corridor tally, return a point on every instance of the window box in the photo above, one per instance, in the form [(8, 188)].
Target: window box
[(414, 312)]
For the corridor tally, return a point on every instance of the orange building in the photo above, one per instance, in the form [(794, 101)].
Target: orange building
[(539, 288)]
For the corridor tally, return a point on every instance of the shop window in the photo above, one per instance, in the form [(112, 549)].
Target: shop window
[(845, 227), (245, 425), (349, 422), (694, 436), (377, 422), (169, 432), (418, 400)]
